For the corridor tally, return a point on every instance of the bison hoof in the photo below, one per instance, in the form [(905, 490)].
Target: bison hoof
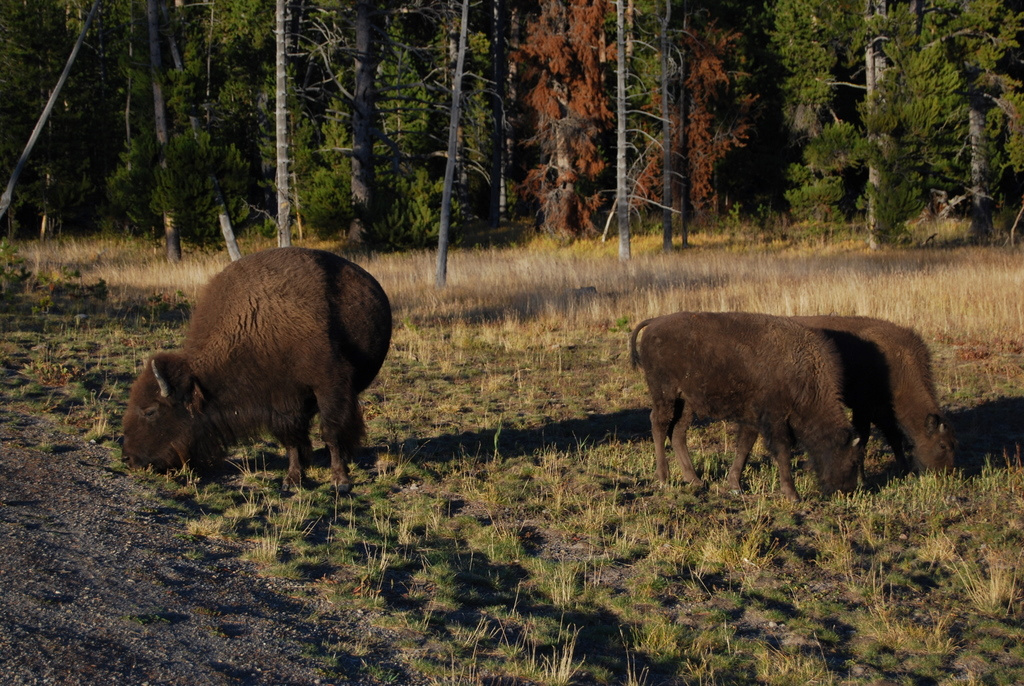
[(343, 488)]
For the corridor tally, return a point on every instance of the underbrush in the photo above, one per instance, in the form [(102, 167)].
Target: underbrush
[(506, 525)]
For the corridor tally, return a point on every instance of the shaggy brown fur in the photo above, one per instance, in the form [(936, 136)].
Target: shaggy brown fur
[(277, 337), (887, 381), (766, 373)]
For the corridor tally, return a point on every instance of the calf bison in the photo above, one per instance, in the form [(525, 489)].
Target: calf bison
[(768, 374), (887, 381), (276, 337)]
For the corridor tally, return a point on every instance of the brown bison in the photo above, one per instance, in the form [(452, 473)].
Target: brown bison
[(887, 381), (276, 337), (768, 374)]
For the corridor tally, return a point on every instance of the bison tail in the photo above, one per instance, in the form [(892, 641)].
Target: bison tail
[(634, 356)]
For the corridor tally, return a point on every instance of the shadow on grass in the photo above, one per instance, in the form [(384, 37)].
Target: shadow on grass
[(565, 435), (992, 431)]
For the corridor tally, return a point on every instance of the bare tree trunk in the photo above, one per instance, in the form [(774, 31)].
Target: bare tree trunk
[(441, 276), (284, 229), (981, 201), (171, 236), (666, 137), (621, 191), (363, 108), (682, 166), (874, 64), (497, 206), (511, 89), (5, 200)]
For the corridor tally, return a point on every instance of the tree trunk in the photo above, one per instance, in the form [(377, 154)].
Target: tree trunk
[(874, 66), (171, 236), (497, 205), (981, 200), (441, 276), (363, 108), (681, 191), (223, 218), (666, 137), (284, 229), (621, 191), (5, 200)]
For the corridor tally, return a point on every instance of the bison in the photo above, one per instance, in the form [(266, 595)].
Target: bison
[(277, 336), (768, 374), (887, 381)]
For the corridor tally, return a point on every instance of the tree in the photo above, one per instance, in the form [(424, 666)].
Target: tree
[(186, 185), (60, 186), (933, 73), (621, 189), (171, 235), (364, 113), (875, 65), (561, 61), (223, 213), (980, 35), (498, 79), (5, 200), (709, 135), (284, 230), (666, 130), (453, 137)]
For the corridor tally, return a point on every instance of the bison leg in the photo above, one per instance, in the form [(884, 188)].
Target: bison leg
[(862, 426), (341, 425), (669, 420), (683, 452), (783, 460), (299, 453), (673, 424), (660, 422), (746, 436), (894, 437)]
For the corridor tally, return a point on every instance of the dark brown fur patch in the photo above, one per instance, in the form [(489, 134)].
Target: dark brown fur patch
[(766, 373), (887, 382), (277, 337)]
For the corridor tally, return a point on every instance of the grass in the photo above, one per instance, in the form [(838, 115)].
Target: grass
[(506, 525)]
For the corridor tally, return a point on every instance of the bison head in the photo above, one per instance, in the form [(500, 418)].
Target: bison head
[(841, 472), (160, 420), (935, 449)]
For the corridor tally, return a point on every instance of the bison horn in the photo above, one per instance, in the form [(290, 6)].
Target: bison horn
[(165, 389)]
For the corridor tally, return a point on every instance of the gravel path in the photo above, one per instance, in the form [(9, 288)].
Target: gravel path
[(98, 584)]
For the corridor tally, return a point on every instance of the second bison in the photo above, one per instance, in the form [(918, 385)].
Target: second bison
[(277, 337), (766, 373), (887, 381)]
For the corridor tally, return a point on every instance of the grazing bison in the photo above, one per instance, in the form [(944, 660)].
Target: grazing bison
[(768, 374), (277, 336), (887, 381)]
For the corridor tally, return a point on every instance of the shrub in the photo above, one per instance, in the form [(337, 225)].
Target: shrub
[(409, 216), (12, 268)]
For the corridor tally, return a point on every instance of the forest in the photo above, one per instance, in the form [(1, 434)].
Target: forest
[(332, 118)]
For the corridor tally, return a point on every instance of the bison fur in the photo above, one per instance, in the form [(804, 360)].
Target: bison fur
[(277, 336), (770, 375), (887, 381)]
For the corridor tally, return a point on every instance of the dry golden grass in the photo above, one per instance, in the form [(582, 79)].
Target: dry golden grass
[(970, 294)]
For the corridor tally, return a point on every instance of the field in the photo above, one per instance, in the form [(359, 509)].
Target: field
[(506, 526)]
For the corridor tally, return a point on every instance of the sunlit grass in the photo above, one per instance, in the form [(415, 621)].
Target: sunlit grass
[(506, 526)]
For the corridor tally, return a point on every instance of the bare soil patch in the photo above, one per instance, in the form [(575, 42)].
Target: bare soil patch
[(101, 584)]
